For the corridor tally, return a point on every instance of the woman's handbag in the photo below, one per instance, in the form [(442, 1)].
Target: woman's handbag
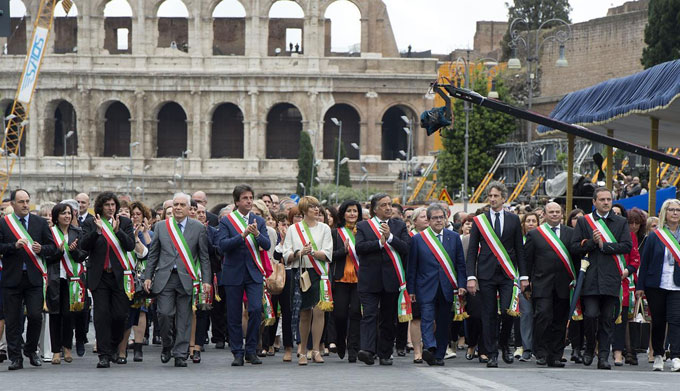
[(305, 281), (639, 328), (277, 279)]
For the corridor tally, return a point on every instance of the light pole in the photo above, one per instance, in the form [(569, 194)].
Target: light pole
[(364, 177), (184, 157), (146, 168), (315, 162), (66, 137), (409, 153), (338, 123), (132, 145), (304, 189), (561, 36)]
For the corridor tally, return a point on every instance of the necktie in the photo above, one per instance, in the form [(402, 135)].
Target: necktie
[(554, 229), (81, 219), (181, 227), (439, 236), (23, 222), (497, 224), (107, 261)]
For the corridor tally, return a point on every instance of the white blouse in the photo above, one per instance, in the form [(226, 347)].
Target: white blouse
[(322, 237)]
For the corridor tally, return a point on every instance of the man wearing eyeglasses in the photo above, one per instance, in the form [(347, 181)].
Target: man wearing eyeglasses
[(602, 236)]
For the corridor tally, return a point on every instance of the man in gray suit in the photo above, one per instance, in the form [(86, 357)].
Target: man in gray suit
[(172, 276)]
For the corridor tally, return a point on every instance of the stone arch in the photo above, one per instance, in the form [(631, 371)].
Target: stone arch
[(118, 16), (229, 30), (286, 34), (284, 124), (65, 29), (173, 30), (6, 110), (351, 131), (16, 43), (172, 131), (342, 19), (394, 138), (100, 5), (226, 137), (117, 129), (65, 121)]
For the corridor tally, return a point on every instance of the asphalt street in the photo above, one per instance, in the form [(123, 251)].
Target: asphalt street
[(215, 372)]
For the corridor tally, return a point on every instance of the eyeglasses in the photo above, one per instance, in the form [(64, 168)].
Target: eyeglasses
[(437, 218), (673, 210)]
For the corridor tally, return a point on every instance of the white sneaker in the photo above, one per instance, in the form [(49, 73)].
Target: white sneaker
[(676, 365), (658, 364), (518, 352), (450, 353)]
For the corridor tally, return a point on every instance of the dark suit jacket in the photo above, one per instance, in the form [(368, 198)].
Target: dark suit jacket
[(545, 269), (88, 218), (376, 273), (212, 218), (14, 258), (339, 256), (96, 246), (54, 268), (602, 277), (425, 274), (651, 264), (237, 258), (481, 261)]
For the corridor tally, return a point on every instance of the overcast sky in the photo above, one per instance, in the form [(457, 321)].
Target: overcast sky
[(437, 25)]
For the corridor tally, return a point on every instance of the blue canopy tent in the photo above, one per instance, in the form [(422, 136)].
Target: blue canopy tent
[(641, 108)]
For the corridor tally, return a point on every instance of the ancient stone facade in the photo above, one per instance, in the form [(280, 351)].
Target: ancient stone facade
[(207, 103)]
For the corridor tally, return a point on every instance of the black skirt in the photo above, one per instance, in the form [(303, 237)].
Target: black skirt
[(310, 298)]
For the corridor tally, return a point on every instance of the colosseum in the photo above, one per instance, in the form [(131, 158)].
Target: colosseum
[(136, 99)]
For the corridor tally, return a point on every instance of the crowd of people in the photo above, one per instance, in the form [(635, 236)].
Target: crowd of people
[(364, 281)]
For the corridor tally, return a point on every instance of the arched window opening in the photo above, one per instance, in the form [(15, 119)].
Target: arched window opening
[(394, 138), (342, 29), (171, 137), (118, 27), (65, 29), (284, 124), (229, 29), (173, 25), (65, 130), (117, 133), (286, 29), (350, 131), (226, 139), (15, 44)]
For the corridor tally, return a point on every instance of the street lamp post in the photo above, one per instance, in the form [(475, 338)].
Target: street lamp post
[(338, 123), (315, 162), (185, 154), (132, 145), (561, 36), (146, 168), (409, 154), (66, 137)]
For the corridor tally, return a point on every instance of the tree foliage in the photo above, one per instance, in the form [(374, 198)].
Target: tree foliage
[(306, 168), (662, 33), (487, 128), (534, 12), (344, 169)]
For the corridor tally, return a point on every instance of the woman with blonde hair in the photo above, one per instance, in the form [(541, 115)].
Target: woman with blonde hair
[(419, 222), (308, 247)]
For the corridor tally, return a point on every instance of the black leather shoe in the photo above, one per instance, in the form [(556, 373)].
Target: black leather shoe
[(366, 357), (556, 364), (541, 361), (156, 340), (253, 359), (3, 356), (138, 354), (418, 361), (16, 364), (631, 358), (428, 357), (238, 361), (439, 362), (577, 356), (587, 358), (33, 359), (121, 360), (385, 361), (482, 359), (197, 357), (180, 362), (80, 349), (219, 345), (103, 362), (507, 355), (401, 353), (166, 355), (492, 363), (603, 364)]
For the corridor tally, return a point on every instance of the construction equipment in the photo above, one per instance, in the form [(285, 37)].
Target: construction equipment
[(432, 168), (487, 178), (665, 166), (520, 186), (18, 117), (537, 185)]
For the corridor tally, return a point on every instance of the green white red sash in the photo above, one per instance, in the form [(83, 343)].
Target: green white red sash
[(240, 225), (199, 298), (128, 277), (321, 268), (412, 233), (347, 236), (670, 242), (608, 237), (73, 270), (503, 258), (268, 308), (20, 233), (404, 302), (444, 259), (563, 254)]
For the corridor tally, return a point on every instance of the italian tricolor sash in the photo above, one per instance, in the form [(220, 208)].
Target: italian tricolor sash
[(404, 303), (112, 239), (412, 233), (444, 259), (73, 270), (670, 242), (503, 258), (191, 263), (240, 224), (268, 308), (20, 233), (608, 237), (561, 250), (347, 236), (321, 268)]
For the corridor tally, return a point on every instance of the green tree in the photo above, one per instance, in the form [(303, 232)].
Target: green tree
[(306, 168), (535, 12), (662, 33), (487, 128), (344, 169)]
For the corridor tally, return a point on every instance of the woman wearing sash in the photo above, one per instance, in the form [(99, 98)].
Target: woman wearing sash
[(575, 333), (659, 281), (65, 290), (346, 305), (309, 248), (524, 324), (418, 223)]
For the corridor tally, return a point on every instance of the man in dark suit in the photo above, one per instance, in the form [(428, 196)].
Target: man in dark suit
[(105, 274), (241, 235), (601, 288), (436, 258), (551, 269), (83, 206), (486, 274), (81, 319), (25, 240), (379, 285), (201, 198), (171, 279)]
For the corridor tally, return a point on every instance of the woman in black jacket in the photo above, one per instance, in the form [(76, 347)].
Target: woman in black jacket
[(65, 288)]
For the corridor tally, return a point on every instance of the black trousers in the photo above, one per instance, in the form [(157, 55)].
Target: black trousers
[(380, 309), (285, 300), (664, 305), (218, 317), (61, 323), (202, 325), (81, 320), (14, 299), (347, 314), (473, 324), (550, 326), (598, 320), (488, 289), (269, 332), (111, 307), (619, 342), (576, 334)]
